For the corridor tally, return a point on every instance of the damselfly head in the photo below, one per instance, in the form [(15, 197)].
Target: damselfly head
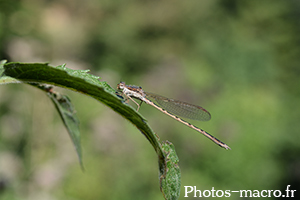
[(121, 86)]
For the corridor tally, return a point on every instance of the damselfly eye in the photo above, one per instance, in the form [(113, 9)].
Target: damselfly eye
[(120, 86)]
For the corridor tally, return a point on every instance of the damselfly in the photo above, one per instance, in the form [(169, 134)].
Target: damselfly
[(171, 107)]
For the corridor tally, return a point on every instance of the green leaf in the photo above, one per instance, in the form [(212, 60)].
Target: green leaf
[(83, 82), (68, 115), (170, 176)]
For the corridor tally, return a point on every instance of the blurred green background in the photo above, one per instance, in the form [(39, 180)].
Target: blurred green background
[(237, 59)]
